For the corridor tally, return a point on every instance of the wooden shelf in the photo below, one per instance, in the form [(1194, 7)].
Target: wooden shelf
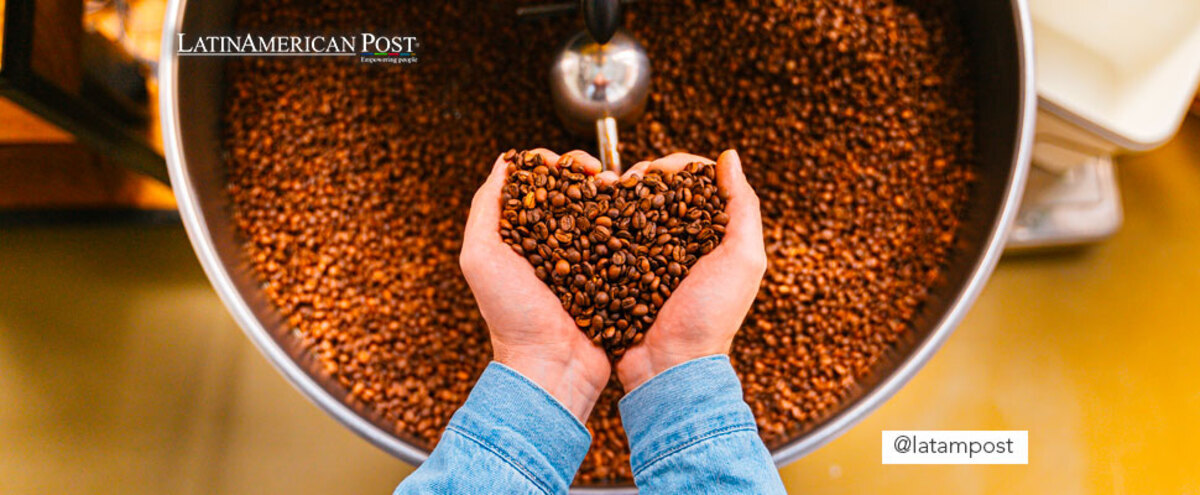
[(62, 156)]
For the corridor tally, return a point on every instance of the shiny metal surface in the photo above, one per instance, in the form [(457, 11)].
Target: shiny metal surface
[(606, 142), (191, 92), (1081, 205), (589, 81)]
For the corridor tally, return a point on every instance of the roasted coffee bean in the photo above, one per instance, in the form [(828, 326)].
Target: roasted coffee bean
[(349, 185), (562, 268), (615, 243), (675, 269)]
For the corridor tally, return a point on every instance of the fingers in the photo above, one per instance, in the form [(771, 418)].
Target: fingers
[(676, 162), (745, 219), (548, 157), (590, 163), (731, 180), (608, 177), (637, 170)]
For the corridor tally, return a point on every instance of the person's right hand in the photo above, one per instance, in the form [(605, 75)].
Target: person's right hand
[(705, 312), (529, 329)]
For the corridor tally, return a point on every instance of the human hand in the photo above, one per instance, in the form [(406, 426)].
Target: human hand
[(529, 329), (704, 313)]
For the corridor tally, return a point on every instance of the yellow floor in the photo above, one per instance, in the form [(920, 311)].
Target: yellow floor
[(120, 371)]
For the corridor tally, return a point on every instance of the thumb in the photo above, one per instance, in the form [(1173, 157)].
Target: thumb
[(742, 207), (730, 177), (484, 218)]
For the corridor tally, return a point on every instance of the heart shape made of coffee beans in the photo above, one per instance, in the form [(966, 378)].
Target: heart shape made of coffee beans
[(612, 252)]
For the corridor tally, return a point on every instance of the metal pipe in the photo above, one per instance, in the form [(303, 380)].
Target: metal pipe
[(606, 138)]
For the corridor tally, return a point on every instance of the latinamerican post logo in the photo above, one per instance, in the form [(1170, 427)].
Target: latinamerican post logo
[(368, 47)]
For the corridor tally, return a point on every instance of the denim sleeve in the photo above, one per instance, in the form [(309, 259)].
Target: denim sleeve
[(690, 432), (509, 437)]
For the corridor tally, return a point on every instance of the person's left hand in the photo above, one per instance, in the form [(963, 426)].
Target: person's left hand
[(707, 308), (530, 330)]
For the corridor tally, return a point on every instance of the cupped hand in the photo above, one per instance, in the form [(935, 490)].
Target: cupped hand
[(705, 312), (530, 331)]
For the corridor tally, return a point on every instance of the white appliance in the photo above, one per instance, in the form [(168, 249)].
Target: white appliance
[(1113, 76)]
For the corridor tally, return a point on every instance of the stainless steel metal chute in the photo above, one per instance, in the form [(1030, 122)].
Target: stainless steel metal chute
[(599, 85)]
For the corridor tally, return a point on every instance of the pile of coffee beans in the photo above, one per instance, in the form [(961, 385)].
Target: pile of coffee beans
[(612, 253), (350, 183)]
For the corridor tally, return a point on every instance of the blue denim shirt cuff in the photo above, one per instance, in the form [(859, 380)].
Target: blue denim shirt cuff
[(521, 423), (682, 406)]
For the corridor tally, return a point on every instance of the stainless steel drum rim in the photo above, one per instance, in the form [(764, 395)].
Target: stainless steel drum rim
[(1022, 156), (198, 234), (218, 271)]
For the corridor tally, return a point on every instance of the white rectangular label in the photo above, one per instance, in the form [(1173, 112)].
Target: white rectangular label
[(956, 447)]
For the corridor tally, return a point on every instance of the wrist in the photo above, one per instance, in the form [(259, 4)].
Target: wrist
[(639, 365), (634, 372), (569, 381)]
